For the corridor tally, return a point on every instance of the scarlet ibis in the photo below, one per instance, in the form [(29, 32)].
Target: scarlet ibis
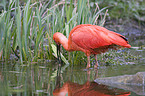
[(91, 39), (87, 89)]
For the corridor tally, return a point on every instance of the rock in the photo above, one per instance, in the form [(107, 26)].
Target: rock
[(134, 83), (137, 79)]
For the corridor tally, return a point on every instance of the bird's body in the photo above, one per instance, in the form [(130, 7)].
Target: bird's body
[(91, 39)]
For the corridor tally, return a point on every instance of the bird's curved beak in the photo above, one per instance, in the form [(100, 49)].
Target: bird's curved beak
[(58, 52)]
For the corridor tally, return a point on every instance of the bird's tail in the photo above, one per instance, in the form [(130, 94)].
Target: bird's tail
[(118, 39)]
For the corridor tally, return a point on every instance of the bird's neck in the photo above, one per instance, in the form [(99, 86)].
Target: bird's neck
[(64, 41)]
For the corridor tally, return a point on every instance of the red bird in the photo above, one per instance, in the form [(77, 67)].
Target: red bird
[(91, 39), (87, 89)]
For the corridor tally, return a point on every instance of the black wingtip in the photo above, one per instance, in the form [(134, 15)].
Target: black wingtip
[(124, 38)]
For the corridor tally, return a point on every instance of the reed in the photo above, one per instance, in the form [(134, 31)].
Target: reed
[(26, 29)]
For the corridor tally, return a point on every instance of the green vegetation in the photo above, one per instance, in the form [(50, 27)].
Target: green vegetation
[(27, 29)]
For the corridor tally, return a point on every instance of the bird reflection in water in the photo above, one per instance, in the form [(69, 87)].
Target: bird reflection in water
[(87, 89)]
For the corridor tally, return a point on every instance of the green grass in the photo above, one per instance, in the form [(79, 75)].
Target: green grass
[(26, 29)]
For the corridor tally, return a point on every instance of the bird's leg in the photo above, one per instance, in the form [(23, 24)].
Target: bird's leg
[(88, 62), (96, 62)]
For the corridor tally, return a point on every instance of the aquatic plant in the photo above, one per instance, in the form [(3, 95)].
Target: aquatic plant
[(26, 28)]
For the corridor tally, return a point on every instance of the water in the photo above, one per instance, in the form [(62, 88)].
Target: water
[(43, 78)]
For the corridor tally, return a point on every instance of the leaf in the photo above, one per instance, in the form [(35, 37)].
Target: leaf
[(55, 53)]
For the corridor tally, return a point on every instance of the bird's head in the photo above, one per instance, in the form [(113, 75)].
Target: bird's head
[(60, 39), (56, 37)]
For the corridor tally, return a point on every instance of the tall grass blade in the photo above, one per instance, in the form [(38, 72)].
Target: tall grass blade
[(1, 32), (18, 24), (38, 35), (7, 26), (27, 18)]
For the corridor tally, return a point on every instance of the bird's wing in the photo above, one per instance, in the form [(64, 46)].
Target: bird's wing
[(91, 37), (118, 39)]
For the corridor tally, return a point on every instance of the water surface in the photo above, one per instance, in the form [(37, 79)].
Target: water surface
[(44, 78)]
